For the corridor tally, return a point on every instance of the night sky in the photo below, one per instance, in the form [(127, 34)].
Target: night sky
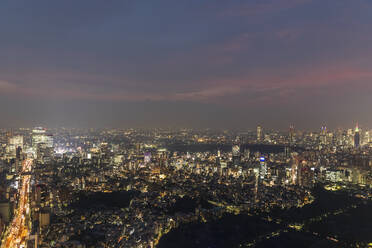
[(191, 63)]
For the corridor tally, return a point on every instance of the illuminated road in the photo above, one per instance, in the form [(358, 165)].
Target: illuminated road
[(18, 230)]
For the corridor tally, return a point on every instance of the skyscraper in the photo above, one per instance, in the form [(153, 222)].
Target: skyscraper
[(263, 168), (42, 144), (236, 155), (259, 133), (39, 136), (323, 135), (357, 137), (14, 143), (350, 137), (291, 134), (294, 171), (366, 137)]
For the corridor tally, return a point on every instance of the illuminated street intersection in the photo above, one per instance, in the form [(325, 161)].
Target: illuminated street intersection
[(18, 230)]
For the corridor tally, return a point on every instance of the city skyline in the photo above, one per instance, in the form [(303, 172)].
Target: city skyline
[(223, 65), (165, 188), (188, 124)]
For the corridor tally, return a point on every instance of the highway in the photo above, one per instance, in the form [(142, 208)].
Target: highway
[(18, 230)]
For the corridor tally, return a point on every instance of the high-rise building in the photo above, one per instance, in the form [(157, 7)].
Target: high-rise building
[(40, 136), (15, 142), (19, 153), (287, 152), (291, 134), (42, 144), (294, 171), (218, 158), (259, 133), (323, 135), (263, 168), (44, 153), (366, 137), (356, 137), (350, 137), (236, 154)]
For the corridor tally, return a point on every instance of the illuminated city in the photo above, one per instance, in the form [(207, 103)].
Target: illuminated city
[(186, 124), (131, 187)]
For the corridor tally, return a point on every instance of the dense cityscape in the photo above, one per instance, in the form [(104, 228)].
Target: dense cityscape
[(186, 124), (136, 187)]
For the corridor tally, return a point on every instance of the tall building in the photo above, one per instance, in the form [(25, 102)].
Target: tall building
[(323, 135), (287, 152), (44, 153), (236, 154), (42, 143), (40, 136), (15, 142), (366, 137), (263, 168), (294, 171), (291, 134), (350, 137), (259, 133), (357, 137), (19, 153)]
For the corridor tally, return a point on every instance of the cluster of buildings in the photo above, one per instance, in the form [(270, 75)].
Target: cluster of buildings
[(127, 188)]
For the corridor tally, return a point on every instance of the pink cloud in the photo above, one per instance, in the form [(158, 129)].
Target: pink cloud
[(5, 87), (207, 93), (278, 86), (262, 86)]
